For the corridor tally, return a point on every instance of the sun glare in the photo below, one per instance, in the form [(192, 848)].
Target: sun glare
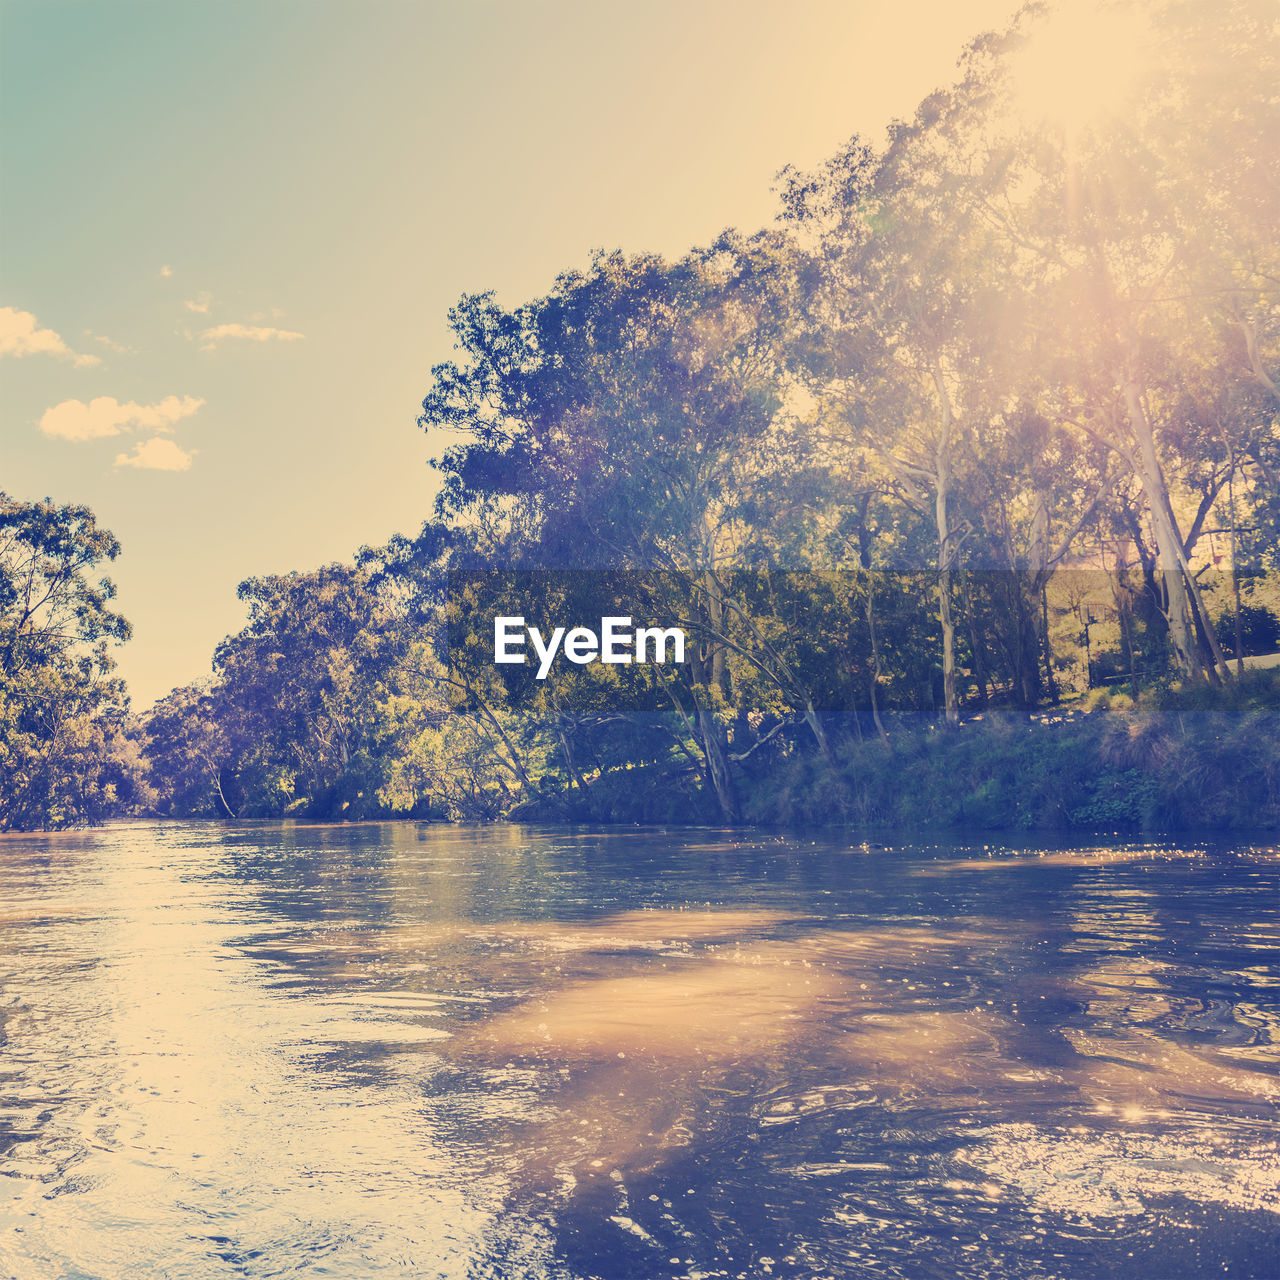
[(1081, 66)]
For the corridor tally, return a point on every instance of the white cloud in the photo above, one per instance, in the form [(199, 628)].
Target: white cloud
[(156, 454), (106, 416), (249, 332), (109, 343), (21, 335), (200, 304)]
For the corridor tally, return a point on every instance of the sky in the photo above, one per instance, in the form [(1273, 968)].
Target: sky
[(230, 235)]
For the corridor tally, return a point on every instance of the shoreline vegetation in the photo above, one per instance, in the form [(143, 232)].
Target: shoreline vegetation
[(961, 477), (1124, 767)]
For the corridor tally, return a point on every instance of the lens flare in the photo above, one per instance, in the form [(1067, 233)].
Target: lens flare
[(1082, 66)]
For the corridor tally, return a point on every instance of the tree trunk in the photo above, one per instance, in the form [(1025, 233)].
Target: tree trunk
[(718, 767), (574, 774), (1237, 623), (946, 551), (814, 722), (975, 641), (1050, 683), (514, 764), (948, 649), (217, 782), (715, 615), (875, 669), (1028, 642), (1168, 544)]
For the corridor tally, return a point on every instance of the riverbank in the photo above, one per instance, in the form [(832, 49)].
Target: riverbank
[(1164, 761), (1174, 760)]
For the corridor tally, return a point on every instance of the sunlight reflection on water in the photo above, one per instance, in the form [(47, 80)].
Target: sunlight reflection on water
[(253, 1050)]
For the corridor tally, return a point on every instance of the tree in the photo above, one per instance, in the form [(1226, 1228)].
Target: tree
[(1144, 237), (302, 692), (628, 420), (892, 350), (66, 753), (191, 752)]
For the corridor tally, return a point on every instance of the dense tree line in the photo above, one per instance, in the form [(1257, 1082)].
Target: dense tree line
[(988, 422)]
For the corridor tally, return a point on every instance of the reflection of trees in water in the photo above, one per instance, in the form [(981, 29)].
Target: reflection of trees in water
[(650, 1033), (858, 1023)]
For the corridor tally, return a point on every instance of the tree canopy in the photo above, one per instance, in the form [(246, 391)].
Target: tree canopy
[(987, 420)]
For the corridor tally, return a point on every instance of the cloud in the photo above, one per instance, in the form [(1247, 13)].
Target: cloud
[(21, 335), (106, 416), (109, 343), (156, 454), (200, 304), (251, 333)]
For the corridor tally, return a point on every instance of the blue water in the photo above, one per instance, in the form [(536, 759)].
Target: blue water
[(410, 1050)]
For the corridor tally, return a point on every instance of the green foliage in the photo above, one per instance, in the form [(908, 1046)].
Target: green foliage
[(68, 752), (947, 439), (1259, 630), (1140, 769), (960, 438), (301, 713)]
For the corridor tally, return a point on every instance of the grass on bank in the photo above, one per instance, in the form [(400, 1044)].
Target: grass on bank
[(1163, 760)]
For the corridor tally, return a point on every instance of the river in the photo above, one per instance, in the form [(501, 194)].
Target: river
[(492, 1053)]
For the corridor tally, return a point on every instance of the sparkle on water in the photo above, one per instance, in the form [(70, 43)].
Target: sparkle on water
[(269, 1050)]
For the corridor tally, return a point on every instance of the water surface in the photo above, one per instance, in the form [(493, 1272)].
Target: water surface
[(410, 1050)]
